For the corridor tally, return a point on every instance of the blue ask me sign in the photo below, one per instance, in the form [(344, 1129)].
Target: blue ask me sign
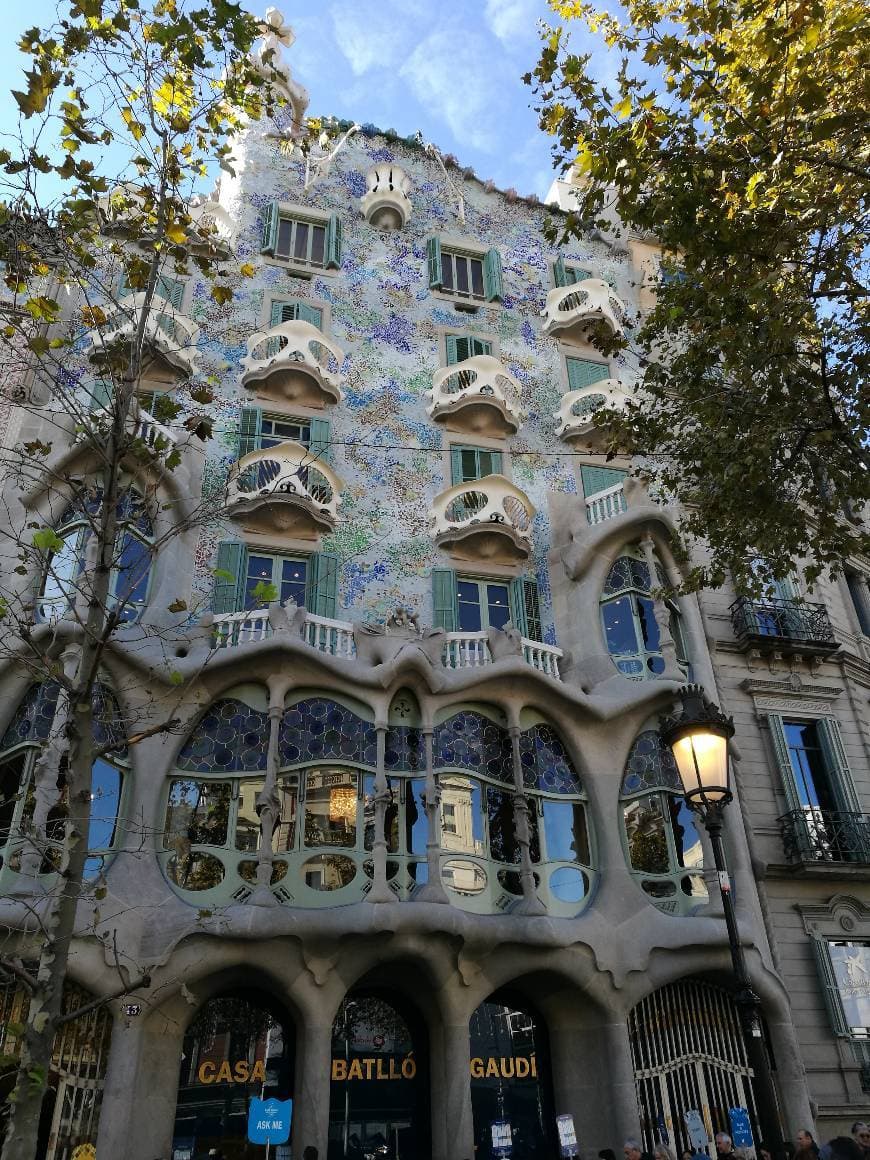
[(269, 1121)]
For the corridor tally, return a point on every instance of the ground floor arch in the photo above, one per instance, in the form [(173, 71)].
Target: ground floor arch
[(240, 1044), (379, 1098), (511, 1084), (688, 1054)]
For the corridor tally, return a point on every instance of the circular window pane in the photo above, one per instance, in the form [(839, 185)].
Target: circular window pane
[(198, 871), (663, 889), (568, 884), (655, 664), (463, 877), (512, 882), (329, 872), (248, 871)]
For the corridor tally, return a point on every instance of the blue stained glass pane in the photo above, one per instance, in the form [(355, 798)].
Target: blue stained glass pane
[(546, 764), (318, 730), (471, 741), (404, 749), (650, 765), (33, 718), (231, 735)]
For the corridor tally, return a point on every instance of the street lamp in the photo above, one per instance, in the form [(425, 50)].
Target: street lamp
[(698, 737)]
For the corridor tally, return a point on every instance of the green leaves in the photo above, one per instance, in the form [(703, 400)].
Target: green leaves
[(47, 540)]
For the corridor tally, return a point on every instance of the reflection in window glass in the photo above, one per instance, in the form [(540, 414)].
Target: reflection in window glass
[(288, 804), (106, 783), (464, 830), (196, 871), (331, 808), (645, 827), (197, 811), (328, 872), (565, 832), (416, 830), (503, 845), (247, 818)]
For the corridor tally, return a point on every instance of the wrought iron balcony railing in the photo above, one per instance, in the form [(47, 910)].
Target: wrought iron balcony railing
[(793, 624), (811, 836)]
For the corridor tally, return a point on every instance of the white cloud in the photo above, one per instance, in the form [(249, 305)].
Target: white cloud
[(369, 36), (456, 78), (512, 20)]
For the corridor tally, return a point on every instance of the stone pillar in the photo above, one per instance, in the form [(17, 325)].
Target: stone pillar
[(311, 1097), (623, 1115), (579, 1068), (451, 1097), (141, 1089), (268, 804), (791, 1080), (531, 903), (433, 891), (380, 891)]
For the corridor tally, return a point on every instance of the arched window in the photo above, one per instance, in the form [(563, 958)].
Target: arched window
[(131, 571), (21, 745), (628, 618), (663, 844)]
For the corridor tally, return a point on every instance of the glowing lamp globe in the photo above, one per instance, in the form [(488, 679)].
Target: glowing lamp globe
[(698, 737)]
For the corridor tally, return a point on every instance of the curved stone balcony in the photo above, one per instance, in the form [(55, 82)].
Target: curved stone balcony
[(477, 396), (169, 352), (296, 362), (577, 412), (284, 489), (485, 519), (581, 306), (386, 204)]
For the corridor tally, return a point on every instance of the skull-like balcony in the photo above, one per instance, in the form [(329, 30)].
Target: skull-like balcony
[(284, 489), (385, 204), (169, 350), (573, 311), (477, 396), (488, 519), (578, 414), (294, 362)]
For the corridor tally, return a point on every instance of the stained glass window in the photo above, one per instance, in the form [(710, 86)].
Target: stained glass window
[(231, 735), (404, 749), (546, 765), (468, 740), (650, 765), (34, 716), (317, 730)]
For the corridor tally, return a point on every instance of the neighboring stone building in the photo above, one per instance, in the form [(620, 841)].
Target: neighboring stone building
[(480, 896)]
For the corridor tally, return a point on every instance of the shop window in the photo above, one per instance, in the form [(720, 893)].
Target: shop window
[(67, 573), (21, 746), (301, 242), (663, 843), (465, 274), (466, 604), (628, 619)]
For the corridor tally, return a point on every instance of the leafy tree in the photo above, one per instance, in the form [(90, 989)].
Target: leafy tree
[(127, 104), (734, 137)]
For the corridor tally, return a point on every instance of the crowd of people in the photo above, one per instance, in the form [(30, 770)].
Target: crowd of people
[(854, 1147)]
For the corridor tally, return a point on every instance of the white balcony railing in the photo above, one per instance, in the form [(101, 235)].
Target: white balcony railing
[(582, 303), (487, 509), (287, 475), (386, 203), (301, 360), (168, 333), (576, 413), (147, 429), (478, 382), (606, 504), (462, 650)]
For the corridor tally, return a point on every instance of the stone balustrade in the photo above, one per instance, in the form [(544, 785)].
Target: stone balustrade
[(582, 304), (294, 361), (484, 519), (577, 411), (284, 488), (479, 395), (605, 505), (386, 204)]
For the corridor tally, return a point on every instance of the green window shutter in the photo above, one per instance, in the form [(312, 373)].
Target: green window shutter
[(101, 395), (333, 242), (318, 442), (456, 465), (172, 289), (458, 349), (444, 611), (227, 593), (838, 767), (249, 430), (321, 588), (124, 287), (525, 607), (433, 262), (582, 372), (596, 479), (270, 228), (283, 312), (828, 983), (780, 754), (480, 346), (490, 463), (560, 274), (312, 314), (493, 283)]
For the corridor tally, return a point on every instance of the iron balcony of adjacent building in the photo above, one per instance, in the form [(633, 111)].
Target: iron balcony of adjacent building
[(787, 626), (825, 841)]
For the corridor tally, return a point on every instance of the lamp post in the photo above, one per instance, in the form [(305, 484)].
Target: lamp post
[(698, 737)]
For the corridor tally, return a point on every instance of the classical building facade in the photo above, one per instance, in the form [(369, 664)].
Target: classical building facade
[(414, 856)]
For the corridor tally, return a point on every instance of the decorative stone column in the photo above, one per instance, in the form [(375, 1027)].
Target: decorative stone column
[(311, 1099), (530, 903), (380, 891), (668, 649), (455, 1101), (268, 803), (623, 1113), (434, 890)]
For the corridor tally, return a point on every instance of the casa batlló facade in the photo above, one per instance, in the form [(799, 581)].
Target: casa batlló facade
[(415, 857)]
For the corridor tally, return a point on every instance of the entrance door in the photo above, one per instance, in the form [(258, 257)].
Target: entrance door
[(237, 1047), (379, 1094)]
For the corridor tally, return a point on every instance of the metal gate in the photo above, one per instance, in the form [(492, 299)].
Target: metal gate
[(688, 1053)]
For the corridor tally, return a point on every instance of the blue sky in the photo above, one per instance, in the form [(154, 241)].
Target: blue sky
[(450, 68)]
